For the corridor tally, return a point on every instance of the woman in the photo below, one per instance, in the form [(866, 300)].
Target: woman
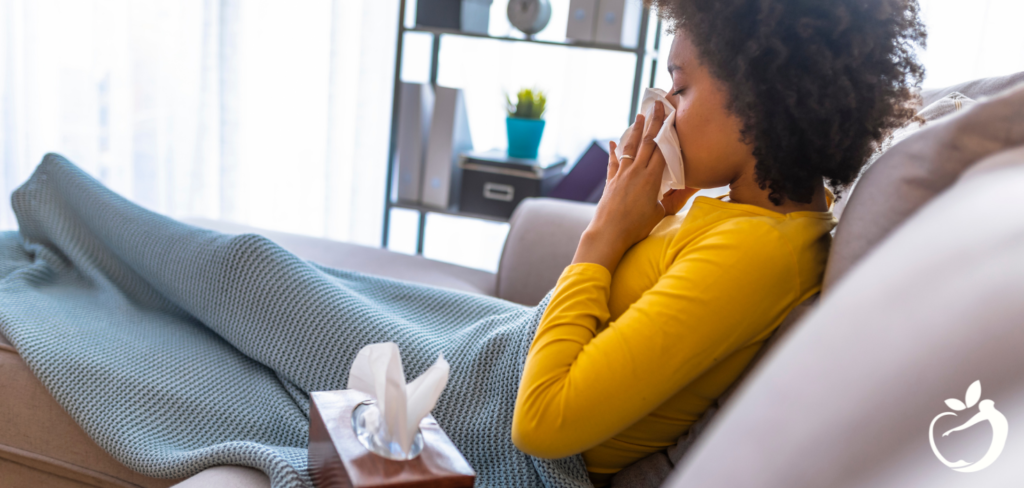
[(177, 349), (658, 314)]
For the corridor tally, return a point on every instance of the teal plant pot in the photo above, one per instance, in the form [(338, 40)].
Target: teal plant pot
[(524, 137)]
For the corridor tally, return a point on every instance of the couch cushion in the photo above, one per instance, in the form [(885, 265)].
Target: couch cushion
[(370, 260), (847, 398), (41, 445), (915, 170), (541, 242)]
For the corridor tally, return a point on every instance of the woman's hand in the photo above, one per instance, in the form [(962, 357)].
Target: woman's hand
[(629, 208)]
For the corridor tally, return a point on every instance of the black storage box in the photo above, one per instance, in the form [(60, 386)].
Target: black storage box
[(493, 184)]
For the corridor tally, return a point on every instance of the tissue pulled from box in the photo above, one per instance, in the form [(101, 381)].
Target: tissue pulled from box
[(667, 140), (377, 371)]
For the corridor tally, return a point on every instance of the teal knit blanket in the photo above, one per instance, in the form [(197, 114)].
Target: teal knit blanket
[(178, 349)]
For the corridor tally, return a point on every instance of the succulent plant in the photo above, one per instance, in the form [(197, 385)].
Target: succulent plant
[(529, 104)]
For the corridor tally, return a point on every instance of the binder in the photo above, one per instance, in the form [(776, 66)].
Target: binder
[(465, 15), (580, 26), (415, 111), (449, 137), (618, 22), (585, 180)]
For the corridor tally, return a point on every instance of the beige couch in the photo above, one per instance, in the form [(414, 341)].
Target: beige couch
[(813, 411)]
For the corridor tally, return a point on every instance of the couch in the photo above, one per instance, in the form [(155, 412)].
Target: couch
[(821, 398)]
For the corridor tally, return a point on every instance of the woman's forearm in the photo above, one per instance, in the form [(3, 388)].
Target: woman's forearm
[(598, 249)]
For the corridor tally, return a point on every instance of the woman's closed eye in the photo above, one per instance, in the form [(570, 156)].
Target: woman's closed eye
[(678, 92)]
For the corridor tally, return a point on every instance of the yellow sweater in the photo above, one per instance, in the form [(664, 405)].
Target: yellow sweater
[(622, 365)]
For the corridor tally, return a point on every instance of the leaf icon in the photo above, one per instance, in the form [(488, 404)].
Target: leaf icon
[(973, 393), (955, 404)]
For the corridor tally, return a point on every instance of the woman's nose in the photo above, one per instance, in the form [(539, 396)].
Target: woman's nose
[(673, 99)]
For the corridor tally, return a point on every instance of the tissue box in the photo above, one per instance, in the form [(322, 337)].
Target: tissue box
[(337, 459)]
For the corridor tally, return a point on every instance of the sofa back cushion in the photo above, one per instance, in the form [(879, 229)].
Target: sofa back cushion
[(918, 168)]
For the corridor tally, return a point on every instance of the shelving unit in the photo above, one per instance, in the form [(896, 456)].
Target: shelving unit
[(642, 53)]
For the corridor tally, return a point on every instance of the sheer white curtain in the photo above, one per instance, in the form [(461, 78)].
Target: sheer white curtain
[(265, 112), (970, 39), (276, 113)]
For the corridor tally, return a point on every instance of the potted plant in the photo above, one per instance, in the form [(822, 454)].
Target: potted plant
[(525, 123)]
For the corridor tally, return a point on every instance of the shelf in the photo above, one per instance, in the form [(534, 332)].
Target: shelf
[(643, 57), (576, 44), (451, 211)]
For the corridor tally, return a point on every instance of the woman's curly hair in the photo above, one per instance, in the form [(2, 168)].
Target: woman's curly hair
[(817, 83)]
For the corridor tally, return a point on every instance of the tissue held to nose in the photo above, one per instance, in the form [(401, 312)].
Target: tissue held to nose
[(667, 139), (377, 371)]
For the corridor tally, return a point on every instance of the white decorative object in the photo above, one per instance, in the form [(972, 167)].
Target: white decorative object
[(618, 22), (529, 16), (582, 15)]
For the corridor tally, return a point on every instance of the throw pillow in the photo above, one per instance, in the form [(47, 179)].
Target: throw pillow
[(947, 105), (918, 168)]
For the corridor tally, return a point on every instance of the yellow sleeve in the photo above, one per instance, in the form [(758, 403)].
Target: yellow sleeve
[(580, 388)]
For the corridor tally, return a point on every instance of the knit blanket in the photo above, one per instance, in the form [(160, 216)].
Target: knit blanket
[(178, 349)]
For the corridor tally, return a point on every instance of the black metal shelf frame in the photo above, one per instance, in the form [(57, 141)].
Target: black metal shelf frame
[(642, 53)]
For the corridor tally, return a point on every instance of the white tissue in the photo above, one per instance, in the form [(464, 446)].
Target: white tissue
[(377, 371), (667, 140)]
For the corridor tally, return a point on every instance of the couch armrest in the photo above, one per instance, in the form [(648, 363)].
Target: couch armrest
[(541, 242)]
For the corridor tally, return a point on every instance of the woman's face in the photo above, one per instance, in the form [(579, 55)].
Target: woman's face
[(709, 135)]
